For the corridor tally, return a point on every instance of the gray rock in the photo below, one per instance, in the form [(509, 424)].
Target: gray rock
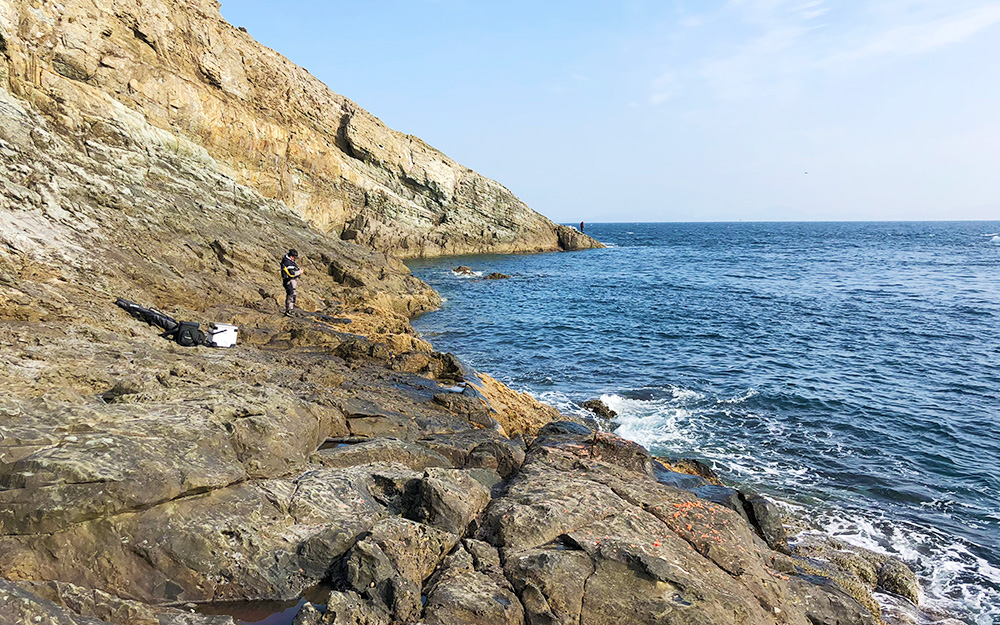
[(384, 451), (308, 615), (766, 519), (684, 481), (349, 608), (825, 603), (450, 499), (414, 549), (599, 408), (550, 583), (465, 596), (899, 579)]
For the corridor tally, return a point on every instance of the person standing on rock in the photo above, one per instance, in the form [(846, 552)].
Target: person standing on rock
[(581, 227), (290, 272)]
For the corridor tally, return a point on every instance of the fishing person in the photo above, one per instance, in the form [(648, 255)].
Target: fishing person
[(290, 272)]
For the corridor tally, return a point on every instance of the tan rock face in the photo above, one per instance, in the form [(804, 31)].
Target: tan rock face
[(102, 66)]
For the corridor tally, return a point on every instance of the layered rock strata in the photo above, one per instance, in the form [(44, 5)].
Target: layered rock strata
[(107, 69)]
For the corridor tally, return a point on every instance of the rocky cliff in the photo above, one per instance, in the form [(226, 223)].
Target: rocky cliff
[(138, 477), (178, 67)]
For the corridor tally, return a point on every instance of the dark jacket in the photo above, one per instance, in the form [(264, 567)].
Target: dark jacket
[(289, 270)]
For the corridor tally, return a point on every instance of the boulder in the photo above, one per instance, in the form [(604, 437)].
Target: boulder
[(479, 448), (691, 466), (766, 519), (599, 408), (462, 595), (684, 481), (826, 603), (899, 579), (551, 583), (450, 499), (414, 549)]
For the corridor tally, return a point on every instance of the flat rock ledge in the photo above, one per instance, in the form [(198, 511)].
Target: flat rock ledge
[(247, 474)]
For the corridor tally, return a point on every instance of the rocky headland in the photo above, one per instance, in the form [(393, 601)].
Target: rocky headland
[(152, 151), (113, 68)]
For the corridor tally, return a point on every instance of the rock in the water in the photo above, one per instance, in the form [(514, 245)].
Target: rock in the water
[(766, 519), (599, 408), (691, 467), (462, 270), (496, 276), (825, 603), (308, 615), (899, 579)]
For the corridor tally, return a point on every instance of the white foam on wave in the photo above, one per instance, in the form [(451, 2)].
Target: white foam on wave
[(686, 422), (561, 401), (995, 240), (953, 578), (947, 568), (742, 397), (462, 274)]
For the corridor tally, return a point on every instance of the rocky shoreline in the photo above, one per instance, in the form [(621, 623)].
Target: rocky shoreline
[(333, 448), (418, 490)]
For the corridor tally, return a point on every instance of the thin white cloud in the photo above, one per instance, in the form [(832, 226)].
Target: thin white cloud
[(926, 36), (785, 41)]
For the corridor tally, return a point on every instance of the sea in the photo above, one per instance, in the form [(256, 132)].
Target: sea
[(848, 371)]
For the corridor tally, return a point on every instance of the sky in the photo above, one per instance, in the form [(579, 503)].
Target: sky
[(678, 110)]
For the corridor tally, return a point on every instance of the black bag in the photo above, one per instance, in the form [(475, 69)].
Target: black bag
[(149, 315), (188, 334)]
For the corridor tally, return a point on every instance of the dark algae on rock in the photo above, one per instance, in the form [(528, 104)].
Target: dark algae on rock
[(334, 450)]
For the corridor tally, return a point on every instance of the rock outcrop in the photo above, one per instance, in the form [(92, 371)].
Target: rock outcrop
[(113, 69)]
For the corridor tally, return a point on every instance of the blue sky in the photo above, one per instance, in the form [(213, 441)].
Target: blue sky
[(677, 110)]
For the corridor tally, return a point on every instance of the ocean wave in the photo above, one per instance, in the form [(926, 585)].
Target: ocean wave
[(684, 422), (742, 397), (954, 579), (465, 275)]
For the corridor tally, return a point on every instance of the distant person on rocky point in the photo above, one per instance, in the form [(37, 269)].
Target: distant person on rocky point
[(581, 227), (290, 273)]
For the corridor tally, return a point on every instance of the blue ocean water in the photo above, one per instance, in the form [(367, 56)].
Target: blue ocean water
[(848, 369)]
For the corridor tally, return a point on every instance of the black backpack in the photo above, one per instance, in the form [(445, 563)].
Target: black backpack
[(188, 334)]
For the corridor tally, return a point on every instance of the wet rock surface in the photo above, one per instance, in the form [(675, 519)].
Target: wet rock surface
[(599, 408)]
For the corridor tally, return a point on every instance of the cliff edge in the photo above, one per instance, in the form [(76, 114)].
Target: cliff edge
[(269, 124)]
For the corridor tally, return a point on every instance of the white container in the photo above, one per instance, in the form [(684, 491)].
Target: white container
[(222, 334)]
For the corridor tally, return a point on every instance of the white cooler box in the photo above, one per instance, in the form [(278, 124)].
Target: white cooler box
[(222, 334)]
